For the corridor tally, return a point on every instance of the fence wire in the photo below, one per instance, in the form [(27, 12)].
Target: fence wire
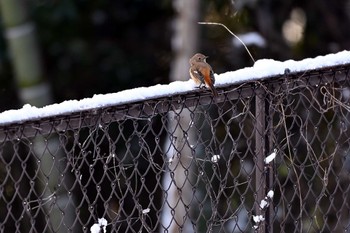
[(265, 156)]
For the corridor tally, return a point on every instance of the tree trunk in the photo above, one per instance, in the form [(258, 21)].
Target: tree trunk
[(184, 46), (33, 89)]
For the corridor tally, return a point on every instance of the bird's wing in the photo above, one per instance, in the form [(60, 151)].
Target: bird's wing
[(212, 78), (197, 74)]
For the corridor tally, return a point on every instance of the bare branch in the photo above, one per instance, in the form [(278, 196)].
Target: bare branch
[(220, 24)]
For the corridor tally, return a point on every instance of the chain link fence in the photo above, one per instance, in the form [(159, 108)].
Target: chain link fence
[(265, 156)]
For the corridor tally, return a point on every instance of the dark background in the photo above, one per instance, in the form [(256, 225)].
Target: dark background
[(100, 46)]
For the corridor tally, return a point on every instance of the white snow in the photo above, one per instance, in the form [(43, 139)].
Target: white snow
[(271, 157), (258, 218), (270, 194), (215, 158), (268, 67), (96, 228), (262, 69), (266, 201), (146, 211), (263, 204)]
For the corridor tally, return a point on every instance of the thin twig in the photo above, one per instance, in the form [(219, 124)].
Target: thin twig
[(220, 24), (293, 167)]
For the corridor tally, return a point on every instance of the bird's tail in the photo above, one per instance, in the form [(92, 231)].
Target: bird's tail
[(213, 90)]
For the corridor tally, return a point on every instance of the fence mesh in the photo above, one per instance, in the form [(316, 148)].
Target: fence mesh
[(188, 163)]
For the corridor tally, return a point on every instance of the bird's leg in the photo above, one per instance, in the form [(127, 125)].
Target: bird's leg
[(202, 85)]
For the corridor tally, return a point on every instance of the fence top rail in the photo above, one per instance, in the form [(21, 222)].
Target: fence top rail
[(146, 101)]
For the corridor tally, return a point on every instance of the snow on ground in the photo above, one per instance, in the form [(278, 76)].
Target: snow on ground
[(261, 69)]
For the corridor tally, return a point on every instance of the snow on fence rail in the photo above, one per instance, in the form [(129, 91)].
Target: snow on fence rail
[(270, 154)]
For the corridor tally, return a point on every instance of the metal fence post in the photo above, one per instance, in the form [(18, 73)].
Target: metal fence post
[(271, 168), (260, 182)]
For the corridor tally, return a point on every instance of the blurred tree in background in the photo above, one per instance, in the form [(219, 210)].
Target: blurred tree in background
[(101, 46)]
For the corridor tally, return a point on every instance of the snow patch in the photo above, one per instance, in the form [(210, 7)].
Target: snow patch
[(96, 228), (271, 157)]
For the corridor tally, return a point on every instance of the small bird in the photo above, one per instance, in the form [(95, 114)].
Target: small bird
[(202, 73)]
